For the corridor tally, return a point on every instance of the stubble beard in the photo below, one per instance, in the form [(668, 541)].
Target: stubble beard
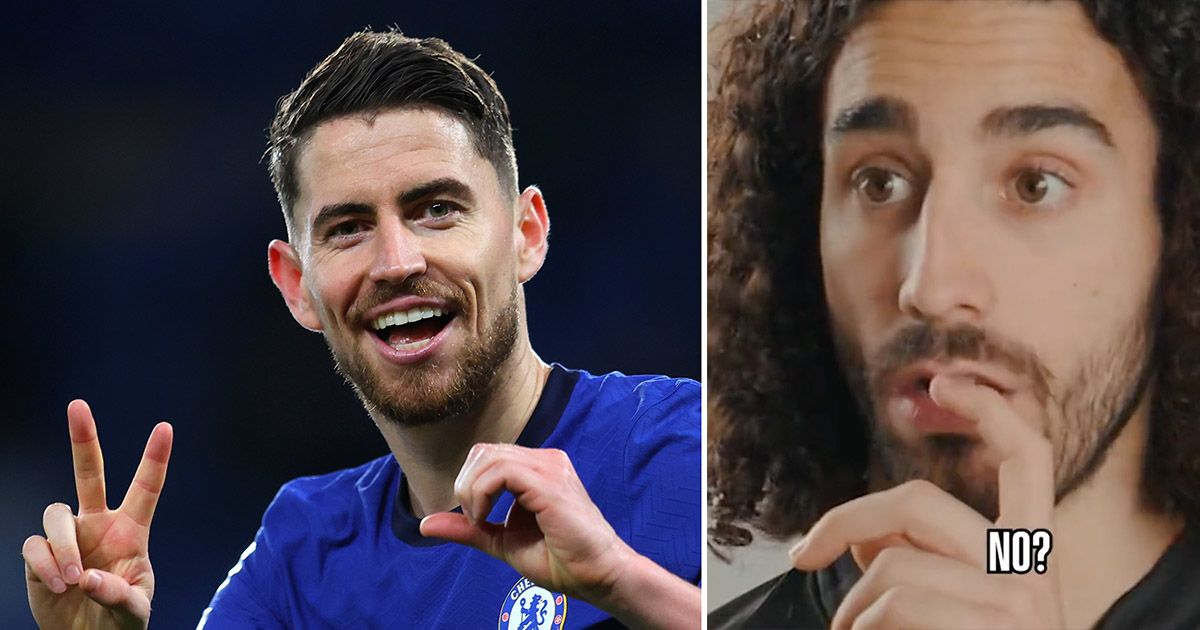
[(422, 394), (1081, 419)]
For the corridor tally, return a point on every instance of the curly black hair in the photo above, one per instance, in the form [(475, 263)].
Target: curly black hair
[(786, 438)]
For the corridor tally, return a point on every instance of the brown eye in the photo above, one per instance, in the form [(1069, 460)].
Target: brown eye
[(1034, 187), (880, 186), (346, 228)]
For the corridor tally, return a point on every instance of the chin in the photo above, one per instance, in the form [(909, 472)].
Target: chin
[(959, 464), (969, 476)]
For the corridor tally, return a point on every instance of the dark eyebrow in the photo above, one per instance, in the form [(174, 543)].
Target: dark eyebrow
[(1029, 119), (332, 212), (881, 113), (441, 186)]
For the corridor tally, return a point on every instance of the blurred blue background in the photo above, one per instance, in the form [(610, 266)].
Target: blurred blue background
[(135, 215)]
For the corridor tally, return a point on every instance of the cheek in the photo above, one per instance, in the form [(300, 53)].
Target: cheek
[(1115, 258), (1083, 295), (861, 278), (333, 287), (496, 261), (484, 272)]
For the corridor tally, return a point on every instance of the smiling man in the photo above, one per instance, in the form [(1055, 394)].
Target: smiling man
[(975, 308), (572, 497), (408, 245)]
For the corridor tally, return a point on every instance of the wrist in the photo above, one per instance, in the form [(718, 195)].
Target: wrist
[(645, 595)]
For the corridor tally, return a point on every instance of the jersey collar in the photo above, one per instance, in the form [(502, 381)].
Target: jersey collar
[(549, 410)]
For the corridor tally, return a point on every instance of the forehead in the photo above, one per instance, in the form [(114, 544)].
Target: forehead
[(367, 159), (963, 58)]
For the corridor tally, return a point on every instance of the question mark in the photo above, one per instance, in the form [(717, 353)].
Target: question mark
[(1041, 544)]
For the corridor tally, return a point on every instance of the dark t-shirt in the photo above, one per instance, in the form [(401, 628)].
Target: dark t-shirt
[(1167, 597)]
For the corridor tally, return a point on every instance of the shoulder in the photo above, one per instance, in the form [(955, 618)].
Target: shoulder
[(1173, 581), (332, 500), (279, 567), (645, 421), (640, 418), (639, 396)]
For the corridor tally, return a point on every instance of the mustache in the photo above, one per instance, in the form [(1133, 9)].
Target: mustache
[(925, 342), (419, 286)]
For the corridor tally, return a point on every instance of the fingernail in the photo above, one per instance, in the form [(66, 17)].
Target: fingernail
[(57, 585), (72, 574), (93, 580)]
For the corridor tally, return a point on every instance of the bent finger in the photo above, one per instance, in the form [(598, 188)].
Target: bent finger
[(865, 553), (518, 477), (919, 511), (484, 458), (112, 591), (59, 523), (40, 566), (916, 607), (900, 566), (147, 485)]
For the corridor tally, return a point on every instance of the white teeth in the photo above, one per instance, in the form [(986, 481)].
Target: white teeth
[(400, 318)]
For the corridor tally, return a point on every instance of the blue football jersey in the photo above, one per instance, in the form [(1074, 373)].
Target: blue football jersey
[(343, 550)]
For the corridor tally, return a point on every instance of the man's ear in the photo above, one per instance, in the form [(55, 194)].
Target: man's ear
[(288, 277), (533, 233)]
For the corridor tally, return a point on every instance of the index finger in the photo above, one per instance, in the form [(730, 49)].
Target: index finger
[(1026, 475), (916, 512), (87, 457), (142, 497)]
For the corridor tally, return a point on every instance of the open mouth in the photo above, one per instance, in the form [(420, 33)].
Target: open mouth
[(412, 329)]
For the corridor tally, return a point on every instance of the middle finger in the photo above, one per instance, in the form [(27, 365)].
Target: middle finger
[(930, 572)]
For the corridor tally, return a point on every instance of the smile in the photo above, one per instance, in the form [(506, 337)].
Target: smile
[(411, 330)]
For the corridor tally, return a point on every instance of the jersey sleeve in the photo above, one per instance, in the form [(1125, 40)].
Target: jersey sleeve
[(253, 594), (663, 479)]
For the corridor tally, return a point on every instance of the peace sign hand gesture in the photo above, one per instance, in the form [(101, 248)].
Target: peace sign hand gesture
[(92, 570)]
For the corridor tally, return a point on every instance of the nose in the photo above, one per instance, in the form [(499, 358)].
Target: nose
[(945, 278), (397, 254)]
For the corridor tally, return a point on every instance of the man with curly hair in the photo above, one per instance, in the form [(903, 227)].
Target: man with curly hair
[(953, 287)]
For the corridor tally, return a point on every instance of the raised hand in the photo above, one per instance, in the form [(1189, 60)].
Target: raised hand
[(556, 536), (923, 551), (92, 570)]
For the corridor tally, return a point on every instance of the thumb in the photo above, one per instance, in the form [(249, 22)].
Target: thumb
[(112, 591), (457, 528)]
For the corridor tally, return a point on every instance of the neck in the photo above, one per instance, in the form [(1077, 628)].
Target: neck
[(1105, 538), (431, 455)]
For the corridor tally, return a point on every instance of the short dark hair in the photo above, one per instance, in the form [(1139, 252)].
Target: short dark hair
[(374, 71), (786, 438)]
